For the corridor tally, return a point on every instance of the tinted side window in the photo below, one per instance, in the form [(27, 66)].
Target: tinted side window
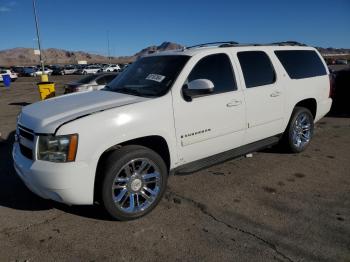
[(257, 68), (218, 69), (301, 63)]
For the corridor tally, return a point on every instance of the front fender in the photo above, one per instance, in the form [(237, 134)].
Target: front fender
[(100, 131)]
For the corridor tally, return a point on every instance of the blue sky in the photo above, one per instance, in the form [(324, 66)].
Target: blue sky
[(133, 25)]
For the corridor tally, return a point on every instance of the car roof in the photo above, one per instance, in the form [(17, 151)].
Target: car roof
[(204, 48)]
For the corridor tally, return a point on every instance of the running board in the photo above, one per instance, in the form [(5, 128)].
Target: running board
[(225, 156)]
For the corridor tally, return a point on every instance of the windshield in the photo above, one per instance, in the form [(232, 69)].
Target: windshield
[(149, 76)]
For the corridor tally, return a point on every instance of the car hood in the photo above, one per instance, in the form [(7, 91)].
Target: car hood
[(46, 116)]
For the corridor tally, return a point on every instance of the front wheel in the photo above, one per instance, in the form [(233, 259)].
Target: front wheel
[(135, 179), (300, 130)]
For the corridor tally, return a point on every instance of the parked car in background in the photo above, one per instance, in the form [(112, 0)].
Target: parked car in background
[(92, 69), (90, 83), (341, 62), (57, 70), (38, 72), (80, 69), (28, 71), (111, 68), (12, 74), (23, 71), (18, 69), (69, 70)]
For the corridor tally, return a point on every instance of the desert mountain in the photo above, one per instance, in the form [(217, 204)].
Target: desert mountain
[(163, 47), (25, 56)]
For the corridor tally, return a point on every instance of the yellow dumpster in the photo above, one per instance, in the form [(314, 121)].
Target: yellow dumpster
[(46, 90)]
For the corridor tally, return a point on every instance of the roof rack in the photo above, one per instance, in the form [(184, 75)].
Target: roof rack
[(220, 44), (293, 43)]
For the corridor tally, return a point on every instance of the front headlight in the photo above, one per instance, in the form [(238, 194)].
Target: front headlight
[(58, 148)]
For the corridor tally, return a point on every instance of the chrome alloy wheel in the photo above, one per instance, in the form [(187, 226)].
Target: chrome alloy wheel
[(136, 186), (302, 130)]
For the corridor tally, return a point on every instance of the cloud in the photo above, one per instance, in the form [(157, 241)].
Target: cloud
[(4, 9)]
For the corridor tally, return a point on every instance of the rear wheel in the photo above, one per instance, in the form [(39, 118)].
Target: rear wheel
[(300, 130), (135, 179)]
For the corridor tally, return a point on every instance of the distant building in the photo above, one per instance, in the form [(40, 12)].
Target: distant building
[(82, 62)]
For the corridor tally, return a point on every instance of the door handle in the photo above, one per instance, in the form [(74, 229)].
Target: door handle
[(276, 94), (234, 103)]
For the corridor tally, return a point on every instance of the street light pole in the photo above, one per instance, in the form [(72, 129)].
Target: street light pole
[(38, 37), (108, 49)]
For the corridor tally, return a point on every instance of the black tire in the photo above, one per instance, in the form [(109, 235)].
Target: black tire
[(114, 164), (288, 140)]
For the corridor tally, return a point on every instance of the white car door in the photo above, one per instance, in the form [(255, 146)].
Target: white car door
[(263, 95), (212, 123)]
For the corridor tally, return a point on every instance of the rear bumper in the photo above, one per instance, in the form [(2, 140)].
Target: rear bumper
[(69, 183)]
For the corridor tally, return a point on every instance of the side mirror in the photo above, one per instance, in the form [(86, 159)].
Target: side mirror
[(198, 87)]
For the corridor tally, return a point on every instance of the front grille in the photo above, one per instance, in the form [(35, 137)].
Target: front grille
[(27, 152), (26, 134), (26, 141)]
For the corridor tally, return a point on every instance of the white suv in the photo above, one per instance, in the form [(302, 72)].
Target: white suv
[(12, 75), (170, 112), (111, 68), (92, 69)]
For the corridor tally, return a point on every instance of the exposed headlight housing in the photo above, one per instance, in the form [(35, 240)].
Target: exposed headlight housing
[(57, 148)]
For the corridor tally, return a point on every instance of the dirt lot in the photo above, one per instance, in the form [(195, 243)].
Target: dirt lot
[(274, 206)]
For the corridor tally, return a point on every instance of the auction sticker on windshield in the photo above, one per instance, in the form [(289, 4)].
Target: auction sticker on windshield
[(155, 77)]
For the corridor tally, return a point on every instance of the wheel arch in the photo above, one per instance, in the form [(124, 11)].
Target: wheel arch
[(309, 103), (155, 142)]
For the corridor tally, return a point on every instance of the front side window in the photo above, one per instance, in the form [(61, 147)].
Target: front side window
[(218, 69), (150, 76), (257, 68)]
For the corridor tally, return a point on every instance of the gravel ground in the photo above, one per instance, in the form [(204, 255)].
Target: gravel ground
[(271, 207)]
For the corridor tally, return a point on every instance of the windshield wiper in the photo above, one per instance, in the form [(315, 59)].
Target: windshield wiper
[(129, 91)]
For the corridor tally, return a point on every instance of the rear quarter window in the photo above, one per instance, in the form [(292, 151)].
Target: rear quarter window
[(301, 63)]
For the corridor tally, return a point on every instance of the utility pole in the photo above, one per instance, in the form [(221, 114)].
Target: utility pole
[(38, 37), (108, 49)]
